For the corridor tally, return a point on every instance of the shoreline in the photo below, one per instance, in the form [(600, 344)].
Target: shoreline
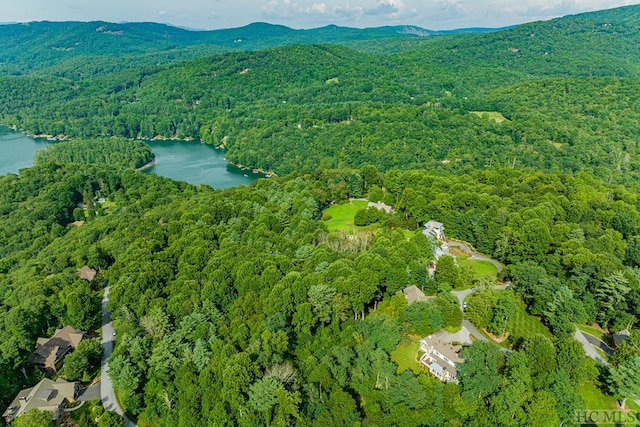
[(266, 173), (151, 164)]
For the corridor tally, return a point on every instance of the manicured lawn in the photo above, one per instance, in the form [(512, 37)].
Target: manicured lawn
[(406, 355), (484, 268), (595, 398), (601, 353), (491, 115), (524, 325), (342, 215)]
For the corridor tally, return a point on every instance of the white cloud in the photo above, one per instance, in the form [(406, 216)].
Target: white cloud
[(380, 9)]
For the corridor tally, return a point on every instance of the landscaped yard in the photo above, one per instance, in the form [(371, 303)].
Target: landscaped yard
[(483, 269), (342, 215), (406, 354), (596, 399), (524, 325)]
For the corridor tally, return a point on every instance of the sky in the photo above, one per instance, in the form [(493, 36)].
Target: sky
[(214, 14)]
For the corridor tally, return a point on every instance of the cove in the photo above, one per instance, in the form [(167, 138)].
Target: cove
[(193, 162), (17, 150), (197, 163)]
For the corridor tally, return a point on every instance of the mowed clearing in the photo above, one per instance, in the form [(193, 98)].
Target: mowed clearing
[(491, 115), (525, 325), (341, 216)]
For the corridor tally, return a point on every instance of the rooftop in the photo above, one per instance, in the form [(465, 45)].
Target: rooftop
[(50, 350), (87, 273), (47, 395), (413, 294)]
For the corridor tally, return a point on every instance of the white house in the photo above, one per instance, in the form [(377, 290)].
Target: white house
[(435, 229), (441, 358)]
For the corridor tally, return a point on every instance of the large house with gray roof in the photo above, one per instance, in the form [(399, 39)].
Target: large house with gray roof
[(441, 357), (47, 395)]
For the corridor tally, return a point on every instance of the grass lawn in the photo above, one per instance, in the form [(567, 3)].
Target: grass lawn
[(108, 206), (596, 332), (601, 353), (484, 269), (524, 325), (342, 215), (406, 354), (491, 115), (597, 400)]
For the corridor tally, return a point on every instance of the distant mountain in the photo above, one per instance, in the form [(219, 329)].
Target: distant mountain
[(40, 45), (422, 32)]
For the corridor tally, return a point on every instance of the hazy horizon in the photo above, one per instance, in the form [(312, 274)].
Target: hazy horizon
[(219, 14)]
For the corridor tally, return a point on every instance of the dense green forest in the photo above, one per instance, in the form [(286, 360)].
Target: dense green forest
[(106, 151), (562, 85), (239, 307), (246, 306)]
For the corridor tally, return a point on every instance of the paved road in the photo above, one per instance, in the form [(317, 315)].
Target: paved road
[(473, 330), (107, 393), (596, 342), (461, 295), (588, 348), (474, 254), (478, 335)]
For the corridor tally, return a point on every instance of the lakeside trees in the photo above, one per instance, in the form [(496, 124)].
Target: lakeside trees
[(107, 151)]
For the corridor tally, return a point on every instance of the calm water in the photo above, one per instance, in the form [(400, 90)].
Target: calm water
[(17, 150), (192, 162), (197, 163)]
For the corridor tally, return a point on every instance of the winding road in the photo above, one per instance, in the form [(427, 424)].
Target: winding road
[(107, 394), (461, 295), (474, 255)]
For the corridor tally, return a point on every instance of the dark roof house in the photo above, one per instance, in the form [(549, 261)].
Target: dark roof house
[(620, 336), (50, 352), (47, 395)]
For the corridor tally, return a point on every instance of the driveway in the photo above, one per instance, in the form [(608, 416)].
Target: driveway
[(474, 255), (461, 295), (107, 393), (588, 348), (596, 342), (90, 393)]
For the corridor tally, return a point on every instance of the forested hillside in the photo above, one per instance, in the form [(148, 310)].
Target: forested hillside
[(104, 151), (300, 107), (80, 48), (238, 306), (255, 305)]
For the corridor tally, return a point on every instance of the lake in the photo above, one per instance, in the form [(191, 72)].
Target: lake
[(197, 163), (192, 162), (17, 150)]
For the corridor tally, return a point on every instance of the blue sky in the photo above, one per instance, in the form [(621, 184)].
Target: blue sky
[(212, 14)]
